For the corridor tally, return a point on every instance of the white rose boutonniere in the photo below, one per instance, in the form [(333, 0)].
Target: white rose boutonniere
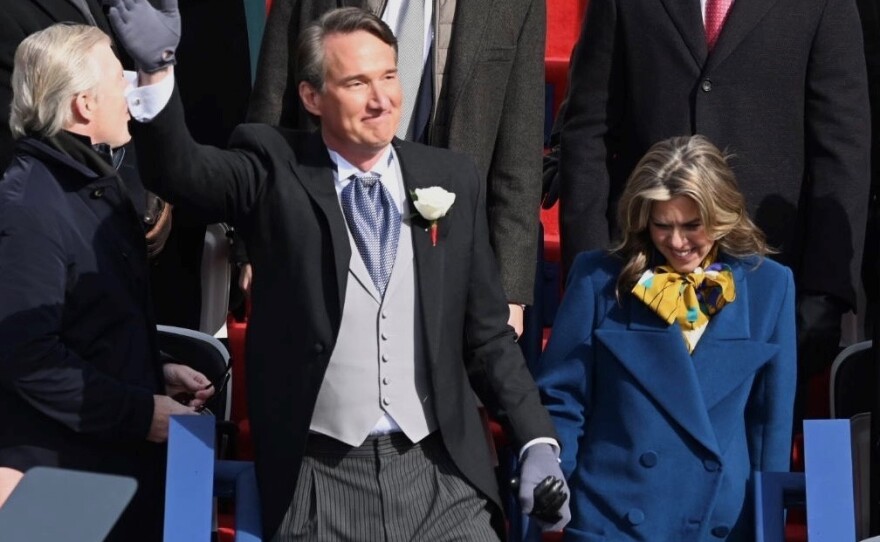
[(433, 203)]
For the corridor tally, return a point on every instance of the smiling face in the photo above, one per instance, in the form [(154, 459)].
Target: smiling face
[(678, 232), (359, 105)]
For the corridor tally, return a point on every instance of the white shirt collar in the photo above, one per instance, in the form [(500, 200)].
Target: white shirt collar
[(387, 167), (345, 169)]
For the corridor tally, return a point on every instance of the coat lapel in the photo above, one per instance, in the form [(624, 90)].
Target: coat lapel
[(687, 17), (743, 16), (688, 386), (726, 356), (655, 355), (315, 173), (429, 259)]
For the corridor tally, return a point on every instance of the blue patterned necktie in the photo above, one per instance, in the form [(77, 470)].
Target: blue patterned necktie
[(374, 222)]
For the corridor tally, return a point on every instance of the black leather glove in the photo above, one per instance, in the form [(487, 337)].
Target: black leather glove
[(158, 220), (149, 35)]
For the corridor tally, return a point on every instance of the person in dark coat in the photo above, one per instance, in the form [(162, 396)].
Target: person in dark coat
[(331, 398), (481, 94), (24, 17), (81, 382)]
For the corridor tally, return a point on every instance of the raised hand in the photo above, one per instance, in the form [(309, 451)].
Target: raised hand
[(150, 35)]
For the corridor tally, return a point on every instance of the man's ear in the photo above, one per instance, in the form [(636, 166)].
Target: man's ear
[(83, 107), (310, 98)]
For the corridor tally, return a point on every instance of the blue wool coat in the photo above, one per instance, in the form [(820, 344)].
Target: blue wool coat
[(658, 444)]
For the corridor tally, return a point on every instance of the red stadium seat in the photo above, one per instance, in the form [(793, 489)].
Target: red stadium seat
[(563, 26)]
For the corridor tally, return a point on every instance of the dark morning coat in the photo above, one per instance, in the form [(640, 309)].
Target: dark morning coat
[(78, 358), (277, 186), (784, 90), (490, 107), (659, 445)]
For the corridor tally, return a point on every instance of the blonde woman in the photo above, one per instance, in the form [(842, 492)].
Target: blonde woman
[(670, 373)]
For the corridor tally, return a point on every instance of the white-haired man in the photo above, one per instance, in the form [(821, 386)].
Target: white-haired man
[(81, 382)]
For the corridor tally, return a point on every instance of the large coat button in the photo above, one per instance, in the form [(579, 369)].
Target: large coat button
[(706, 85), (635, 516), (648, 459), (721, 531), (318, 348)]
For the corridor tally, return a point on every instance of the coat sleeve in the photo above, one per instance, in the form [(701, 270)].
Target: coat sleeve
[(837, 142), (495, 362), (35, 363), (212, 184), (565, 368), (594, 102), (771, 404), (514, 176), (275, 66)]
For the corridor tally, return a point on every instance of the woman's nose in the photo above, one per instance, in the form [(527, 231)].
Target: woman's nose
[(678, 238)]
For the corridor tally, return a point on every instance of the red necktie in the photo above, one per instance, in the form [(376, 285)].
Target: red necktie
[(716, 14)]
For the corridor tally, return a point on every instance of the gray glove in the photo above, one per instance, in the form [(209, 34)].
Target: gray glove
[(149, 35), (540, 477)]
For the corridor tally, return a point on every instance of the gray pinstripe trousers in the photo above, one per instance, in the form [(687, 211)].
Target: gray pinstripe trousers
[(386, 490)]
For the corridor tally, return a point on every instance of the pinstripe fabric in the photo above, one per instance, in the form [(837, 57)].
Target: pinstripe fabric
[(386, 490)]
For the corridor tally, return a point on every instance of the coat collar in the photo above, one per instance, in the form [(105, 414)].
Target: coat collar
[(743, 17), (687, 17), (688, 386), (46, 151), (314, 169)]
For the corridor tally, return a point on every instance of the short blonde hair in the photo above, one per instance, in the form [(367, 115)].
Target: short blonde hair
[(51, 67), (692, 167)]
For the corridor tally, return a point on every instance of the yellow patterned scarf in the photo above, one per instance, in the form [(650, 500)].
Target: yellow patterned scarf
[(689, 299)]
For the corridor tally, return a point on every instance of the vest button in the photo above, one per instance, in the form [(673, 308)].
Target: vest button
[(648, 459), (318, 348), (721, 531), (97, 193), (711, 465), (385, 381), (384, 315), (386, 401), (384, 358), (706, 85), (384, 336)]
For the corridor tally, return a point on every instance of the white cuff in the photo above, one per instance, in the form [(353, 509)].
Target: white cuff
[(540, 440), (144, 103)]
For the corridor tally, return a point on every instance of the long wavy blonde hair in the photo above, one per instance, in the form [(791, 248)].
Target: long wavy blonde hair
[(683, 166)]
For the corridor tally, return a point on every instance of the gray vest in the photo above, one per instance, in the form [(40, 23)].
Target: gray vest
[(378, 365)]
